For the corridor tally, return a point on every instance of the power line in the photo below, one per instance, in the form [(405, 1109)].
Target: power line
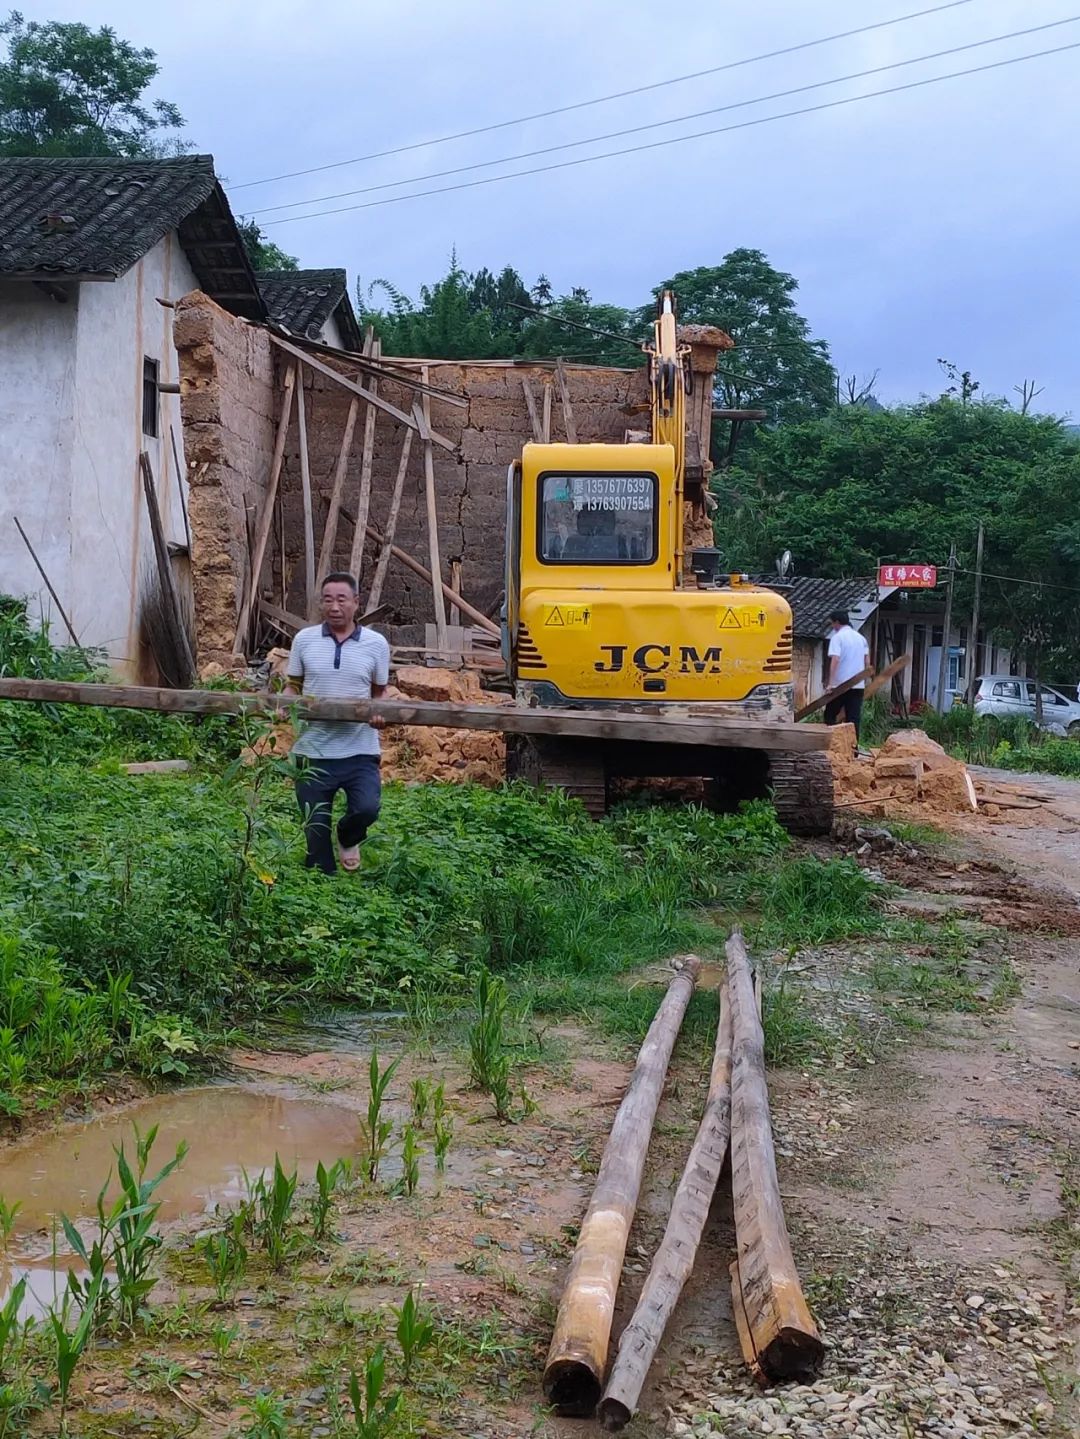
[(675, 120), (1015, 580), (679, 139), (604, 99)]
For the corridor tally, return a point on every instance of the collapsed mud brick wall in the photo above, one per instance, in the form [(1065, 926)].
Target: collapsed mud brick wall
[(228, 406), (470, 488)]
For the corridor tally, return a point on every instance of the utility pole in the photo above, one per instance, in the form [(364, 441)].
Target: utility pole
[(943, 663), (973, 667)]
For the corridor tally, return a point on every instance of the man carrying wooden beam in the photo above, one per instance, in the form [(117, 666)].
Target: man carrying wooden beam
[(849, 655), (338, 659)]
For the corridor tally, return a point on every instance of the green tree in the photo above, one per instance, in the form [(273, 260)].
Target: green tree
[(68, 90), (859, 485), (776, 364), (263, 253)]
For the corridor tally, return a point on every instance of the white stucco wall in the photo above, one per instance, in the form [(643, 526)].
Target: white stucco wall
[(37, 405), (330, 334), (77, 369)]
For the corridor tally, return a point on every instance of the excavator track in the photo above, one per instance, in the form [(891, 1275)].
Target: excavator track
[(559, 764), (802, 792)]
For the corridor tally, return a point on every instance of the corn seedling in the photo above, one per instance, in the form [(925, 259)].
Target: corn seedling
[(267, 1416), (438, 1101), (327, 1181), (489, 1064), (226, 1258), (8, 1215), (270, 1206), (410, 1160), (372, 1419), (12, 1337), (444, 1132), (375, 1130), (126, 1240), (415, 1331), (222, 1337), (421, 1101), (70, 1344)]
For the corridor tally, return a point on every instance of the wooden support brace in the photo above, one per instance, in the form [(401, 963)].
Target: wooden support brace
[(546, 427), (578, 1354), (305, 487), (530, 402), (387, 541), (567, 408), (164, 564), (367, 460), (266, 515), (347, 384), (423, 421), (48, 583)]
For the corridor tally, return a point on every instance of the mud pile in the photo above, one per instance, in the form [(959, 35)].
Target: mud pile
[(419, 754), (909, 770)]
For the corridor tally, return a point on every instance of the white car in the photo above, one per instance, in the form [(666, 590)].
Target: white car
[(1009, 696)]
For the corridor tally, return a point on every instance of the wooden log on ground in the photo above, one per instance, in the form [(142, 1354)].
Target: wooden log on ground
[(833, 694), (493, 719), (674, 1260), (578, 1354), (783, 1338), (266, 516)]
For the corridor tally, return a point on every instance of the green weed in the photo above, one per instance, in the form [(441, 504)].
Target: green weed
[(410, 1160), (489, 1063), (223, 1337), (270, 1204), (9, 1214), (267, 1416), (226, 1258)]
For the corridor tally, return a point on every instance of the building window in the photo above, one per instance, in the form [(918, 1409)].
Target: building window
[(149, 396)]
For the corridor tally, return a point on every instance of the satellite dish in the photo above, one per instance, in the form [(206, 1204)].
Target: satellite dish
[(783, 565)]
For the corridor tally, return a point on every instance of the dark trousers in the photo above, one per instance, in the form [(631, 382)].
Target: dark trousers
[(319, 782), (851, 707)]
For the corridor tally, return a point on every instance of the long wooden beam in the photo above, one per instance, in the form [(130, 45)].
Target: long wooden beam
[(347, 384), (833, 694), (778, 1329), (266, 516), (674, 1260), (578, 1355), (885, 675), (367, 460), (494, 719), (387, 543), (477, 617)]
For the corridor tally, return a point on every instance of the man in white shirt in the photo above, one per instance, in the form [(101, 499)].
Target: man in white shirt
[(849, 655), (338, 659)]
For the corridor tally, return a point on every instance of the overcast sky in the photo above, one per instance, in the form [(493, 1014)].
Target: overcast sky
[(944, 221)]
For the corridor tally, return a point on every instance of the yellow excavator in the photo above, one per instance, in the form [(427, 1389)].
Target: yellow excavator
[(602, 615)]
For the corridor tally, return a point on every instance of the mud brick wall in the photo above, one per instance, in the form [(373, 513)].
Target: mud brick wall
[(471, 490), (228, 405)]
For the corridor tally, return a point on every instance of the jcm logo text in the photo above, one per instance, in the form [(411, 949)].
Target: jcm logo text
[(656, 659)]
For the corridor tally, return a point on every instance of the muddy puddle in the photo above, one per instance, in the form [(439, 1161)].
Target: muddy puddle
[(229, 1129)]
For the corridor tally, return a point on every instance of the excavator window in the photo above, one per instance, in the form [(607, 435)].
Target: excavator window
[(598, 519)]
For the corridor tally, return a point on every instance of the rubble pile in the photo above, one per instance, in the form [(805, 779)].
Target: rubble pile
[(909, 769), (443, 754)]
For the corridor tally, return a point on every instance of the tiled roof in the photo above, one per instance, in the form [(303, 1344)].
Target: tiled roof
[(811, 600), (303, 300), (65, 219)]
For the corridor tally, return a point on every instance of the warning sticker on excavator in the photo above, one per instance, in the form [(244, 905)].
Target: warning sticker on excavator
[(744, 618), (571, 617)]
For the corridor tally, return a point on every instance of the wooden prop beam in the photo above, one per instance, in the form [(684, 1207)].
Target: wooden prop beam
[(783, 1337), (329, 539), (546, 437), (477, 617), (674, 1260), (578, 1354), (347, 384), (564, 398), (888, 673), (364, 362), (164, 563), (305, 487), (266, 515), (386, 543), (530, 402), (423, 422), (833, 694), (367, 460), (48, 583), (493, 719)]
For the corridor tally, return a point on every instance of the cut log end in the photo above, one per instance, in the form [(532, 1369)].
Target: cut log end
[(572, 1387), (793, 1355), (613, 1415)]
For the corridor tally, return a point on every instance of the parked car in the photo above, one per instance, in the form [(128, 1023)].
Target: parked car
[(1008, 696)]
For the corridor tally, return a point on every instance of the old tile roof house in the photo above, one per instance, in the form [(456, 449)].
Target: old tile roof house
[(93, 255)]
